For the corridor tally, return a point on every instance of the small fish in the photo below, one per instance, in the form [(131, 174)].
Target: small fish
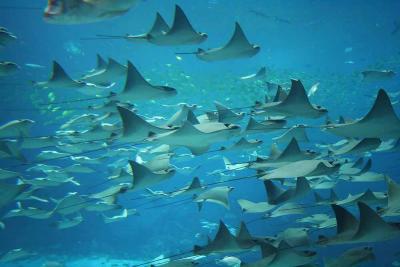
[(348, 49), (34, 66), (313, 90)]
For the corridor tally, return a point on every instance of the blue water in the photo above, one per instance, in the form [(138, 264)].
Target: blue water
[(330, 42)]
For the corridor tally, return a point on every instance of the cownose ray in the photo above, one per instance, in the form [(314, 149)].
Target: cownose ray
[(11, 149), (319, 220), (226, 115), (16, 128), (368, 197), (284, 210), (78, 168), (185, 262), (157, 163), (351, 257), (185, 113), (159, 28), (243, 145), (110, 195), (296, 104), (294, 237), (143, 177), (70, 204), (101, 64), (393, 205), (377, 75), (283, 255), (193, 188), (87, 160), (137, 88), (297, 131), (218, 195), (358, 146), (259, 75), (100, 206), (270, 125), (290, 154), (332, 199), (109, 106), (42, 182), (323, 182), (234, 166), (16, 255), (355, 168), (248, 206), (370, 227), (361, 174), (389, 146), (85, 11), (277, 195), (106, 75), (29, 195), (39, 142), (237, 47), (380, 122), (198, 138), (59, 79), (225, 242), (51, 154), (6, 37), (123, 215), (303, 168), (8, 68), (9, 192), (136, 129), (82, 119), (180, 33), (66, 223)]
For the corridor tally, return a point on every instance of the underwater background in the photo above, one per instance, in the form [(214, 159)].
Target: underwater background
[(327, 42)]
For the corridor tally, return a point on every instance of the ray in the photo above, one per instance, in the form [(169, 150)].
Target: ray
[(380, 122), (237, 47), (296, 104), (137, 88), (180, 33)]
